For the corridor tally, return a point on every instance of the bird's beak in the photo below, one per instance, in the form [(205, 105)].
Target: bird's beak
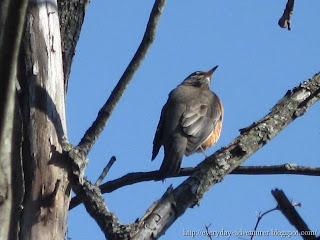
[(209, 73)]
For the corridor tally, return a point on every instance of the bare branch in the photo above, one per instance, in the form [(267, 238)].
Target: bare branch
[(259, 219), (90, 195), (288, 168), (207, 229), (136, 177), (96, 207), (213, 169), (284, 21), (105, 112), (105, 171), (291, 214)]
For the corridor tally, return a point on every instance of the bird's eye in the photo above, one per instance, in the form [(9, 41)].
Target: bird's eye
[(197, 73)]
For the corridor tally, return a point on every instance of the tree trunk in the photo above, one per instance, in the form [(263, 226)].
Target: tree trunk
[(12, 15), (47, 190)]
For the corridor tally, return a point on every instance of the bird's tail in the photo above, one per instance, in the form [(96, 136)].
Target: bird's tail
[(171, 164)]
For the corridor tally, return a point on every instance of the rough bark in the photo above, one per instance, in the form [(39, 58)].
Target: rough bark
[(47, 188), (71, 13), (289, 211), (12, 15)]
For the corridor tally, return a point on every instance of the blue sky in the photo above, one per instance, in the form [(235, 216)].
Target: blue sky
[(258, 62)]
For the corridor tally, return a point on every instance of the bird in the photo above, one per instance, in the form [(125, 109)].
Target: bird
[(190, 121)]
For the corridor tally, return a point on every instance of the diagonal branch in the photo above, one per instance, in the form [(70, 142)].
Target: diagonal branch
[(284, 21), (211, 171), (105, 171), (261, 215), (105, 112), (137, 177), (96, 207), (292, 215)]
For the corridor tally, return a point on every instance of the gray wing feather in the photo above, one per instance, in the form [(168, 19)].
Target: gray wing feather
[(158, 137), (199, 120)]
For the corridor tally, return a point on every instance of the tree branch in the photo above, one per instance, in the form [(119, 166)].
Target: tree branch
[(136, 177), (105, 171), (284, 21), (12, 19), (261, 215), (89, 193), (292, 215), (213, 169), (105, 112), (96, 207), (288, 168)]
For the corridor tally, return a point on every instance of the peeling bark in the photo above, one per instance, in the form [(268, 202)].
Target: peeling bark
[(47, 188), (12, 15)]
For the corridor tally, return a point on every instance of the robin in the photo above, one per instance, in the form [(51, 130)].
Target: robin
[(190, 122)]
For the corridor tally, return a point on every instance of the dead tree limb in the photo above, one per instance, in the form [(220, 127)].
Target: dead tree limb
[(288, 210), (285, 20)]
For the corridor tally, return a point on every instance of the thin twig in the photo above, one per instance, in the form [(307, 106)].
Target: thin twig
[(259, 219), (105, 112), (291, 214), (284, 21), (136, 177), (105, 170), (208, 232)]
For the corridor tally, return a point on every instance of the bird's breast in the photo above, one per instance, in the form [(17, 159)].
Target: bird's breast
[(213, 137)]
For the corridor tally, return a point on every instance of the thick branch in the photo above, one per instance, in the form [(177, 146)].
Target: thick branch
[(291, 214), (96, 207), (132, 178), (214, 168), (105, 112)]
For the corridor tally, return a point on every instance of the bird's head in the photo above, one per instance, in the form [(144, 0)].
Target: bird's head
[(199, 79)]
